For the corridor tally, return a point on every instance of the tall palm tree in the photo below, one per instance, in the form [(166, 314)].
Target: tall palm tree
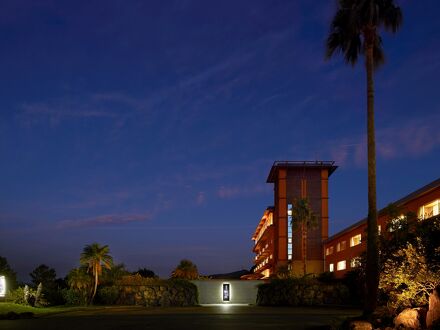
[(185, 270), (303, 218), (95, 257), (354, 31)]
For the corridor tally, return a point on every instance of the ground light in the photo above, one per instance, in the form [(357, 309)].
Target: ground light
[(2, 286)]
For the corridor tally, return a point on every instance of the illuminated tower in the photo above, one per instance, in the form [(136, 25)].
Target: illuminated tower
[(276, 243)]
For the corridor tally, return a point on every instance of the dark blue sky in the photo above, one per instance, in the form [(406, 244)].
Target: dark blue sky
[(151, 126)]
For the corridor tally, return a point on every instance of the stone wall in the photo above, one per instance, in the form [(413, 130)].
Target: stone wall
[(159, 293), (296, 293)]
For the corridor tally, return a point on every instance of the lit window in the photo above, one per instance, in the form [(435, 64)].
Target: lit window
[(331, 268), (341, 246), (289, 232), (429, 210), (356, 240), (341, 265), (379, 229), (355, 262), (329, 251)]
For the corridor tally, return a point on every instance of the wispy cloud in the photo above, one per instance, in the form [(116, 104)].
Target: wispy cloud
[(104, 220), (413, 138), (229, 192), (201, 198)]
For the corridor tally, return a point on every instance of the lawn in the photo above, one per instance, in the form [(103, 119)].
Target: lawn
[(10, 307)]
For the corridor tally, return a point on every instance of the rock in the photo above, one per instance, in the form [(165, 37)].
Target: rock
[(411, 318), (434, 308), (360, 325)]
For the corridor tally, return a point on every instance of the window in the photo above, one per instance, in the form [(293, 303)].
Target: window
[(429, 210), (289, 232), (356, 240), (379, 229), (355, 262), (341, 246), (341, 265), (331, 268), (329, 251)]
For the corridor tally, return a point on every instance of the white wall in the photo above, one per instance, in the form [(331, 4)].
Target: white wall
[(241, 291)]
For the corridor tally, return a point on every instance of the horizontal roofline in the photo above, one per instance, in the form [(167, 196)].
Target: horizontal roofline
[(400, 202), (329, 164)]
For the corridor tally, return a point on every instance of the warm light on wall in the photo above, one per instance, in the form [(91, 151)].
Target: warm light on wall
[(2, 286)]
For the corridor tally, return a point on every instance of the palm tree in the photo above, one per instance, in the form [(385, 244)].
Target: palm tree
[(79, 280), (185, 270), (355, 31), (95, 257), (304, 218)]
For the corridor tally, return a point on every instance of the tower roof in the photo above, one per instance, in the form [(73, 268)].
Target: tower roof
[(328, 164)]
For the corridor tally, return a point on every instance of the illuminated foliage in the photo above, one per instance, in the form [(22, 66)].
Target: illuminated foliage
[(96, 257), (186, 270), (407, 278)]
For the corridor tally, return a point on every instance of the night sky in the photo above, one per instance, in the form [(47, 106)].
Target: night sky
[(151, 126)]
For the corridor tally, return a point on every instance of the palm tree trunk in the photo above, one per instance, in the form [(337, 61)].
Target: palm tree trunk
[(304, 247), (372, 267), (96, 285)]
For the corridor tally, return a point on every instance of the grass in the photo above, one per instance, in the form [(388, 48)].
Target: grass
[(10, 307)]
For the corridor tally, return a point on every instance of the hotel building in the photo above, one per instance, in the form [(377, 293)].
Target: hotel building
[(342, 250), (276, 243)]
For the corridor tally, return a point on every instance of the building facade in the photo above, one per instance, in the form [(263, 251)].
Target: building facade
[(343, 250), (277, 243)]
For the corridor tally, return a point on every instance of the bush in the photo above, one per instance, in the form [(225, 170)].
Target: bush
[(407, 278), (27, 296), (16, 296), (108, 295), (74, 297), (326, 277)]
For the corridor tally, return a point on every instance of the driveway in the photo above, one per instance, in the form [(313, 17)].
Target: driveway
[(219, 317)]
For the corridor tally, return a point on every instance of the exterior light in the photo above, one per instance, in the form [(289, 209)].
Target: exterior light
[(226, 292), (2, 286)]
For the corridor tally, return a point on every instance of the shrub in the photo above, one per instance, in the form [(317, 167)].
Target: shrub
[(16, 296), (74, 297), (407, 278), (326, 277), (108, 295)]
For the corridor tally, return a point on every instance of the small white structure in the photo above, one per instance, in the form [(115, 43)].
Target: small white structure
[(2, 286), (227, 291)]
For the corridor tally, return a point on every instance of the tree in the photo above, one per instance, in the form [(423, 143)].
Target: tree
[(147, 273), (185, 270), (303, 218), (78, 279), (43, 274), (8, 272), (95, 257), (114, 274), (354, 31)]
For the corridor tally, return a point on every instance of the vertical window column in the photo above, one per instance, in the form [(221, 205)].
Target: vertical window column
[(289, 232)]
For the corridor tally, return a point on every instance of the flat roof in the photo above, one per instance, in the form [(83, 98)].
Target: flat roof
[(400, 202), (329, 164)]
